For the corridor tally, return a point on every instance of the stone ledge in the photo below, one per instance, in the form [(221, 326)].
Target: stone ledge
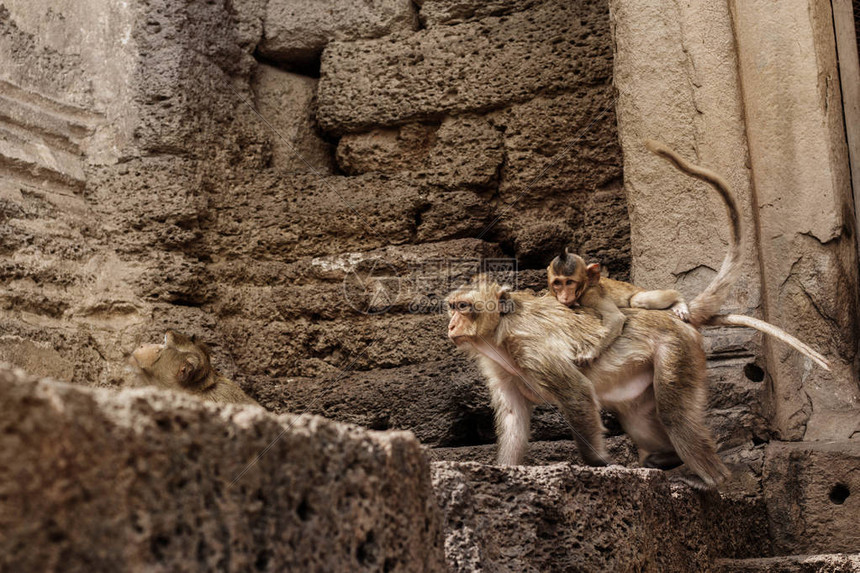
[(831, 563), (142, 480), (812, 492), (573, 518)]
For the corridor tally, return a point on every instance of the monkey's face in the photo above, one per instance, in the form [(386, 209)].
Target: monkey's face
[(475, 312), (566, 288), (176, 362)]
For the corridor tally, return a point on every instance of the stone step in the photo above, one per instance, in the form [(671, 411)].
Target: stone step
[(35, 162), (194, 486), (64, 126), (565, 517), (41, 139), (540, 453), (827, 563)]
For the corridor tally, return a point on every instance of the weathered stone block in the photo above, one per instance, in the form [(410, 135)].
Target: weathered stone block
[(94, 480), (462, 151), (286, 101), (834, 563), (736, 403), (812, 492), (272, 217), (443, 403), (573, 518), (296, 32), (565, 145), (555, 47), (448, 12), (799, 157), (540, 453)]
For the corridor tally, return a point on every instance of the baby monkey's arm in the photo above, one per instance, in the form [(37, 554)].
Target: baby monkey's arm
[(612, 318)]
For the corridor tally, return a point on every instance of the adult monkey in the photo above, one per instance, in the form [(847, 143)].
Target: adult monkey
[(652, 376)]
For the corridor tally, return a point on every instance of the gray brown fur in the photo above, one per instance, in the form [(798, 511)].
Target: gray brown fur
[(184, 365), (652, 376)]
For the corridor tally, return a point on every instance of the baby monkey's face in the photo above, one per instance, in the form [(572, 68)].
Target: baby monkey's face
[(566, 289)]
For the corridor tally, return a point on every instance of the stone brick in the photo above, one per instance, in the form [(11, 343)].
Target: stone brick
[(286, 102), (555, 47), (296, 32), (812, 492), (449, 12), (573, 518), (540, 453), (95, 480), (463, 151)]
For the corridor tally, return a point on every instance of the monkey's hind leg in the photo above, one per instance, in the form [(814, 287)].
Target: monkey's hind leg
[(662, 460), (662, 299), (680, 390)]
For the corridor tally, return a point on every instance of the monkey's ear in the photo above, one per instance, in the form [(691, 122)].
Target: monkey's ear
[(592, 274), (506, 302), (190, 364), (170, 338)]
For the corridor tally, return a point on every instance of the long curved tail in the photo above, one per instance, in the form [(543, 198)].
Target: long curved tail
[(767, 328), (708, 303)]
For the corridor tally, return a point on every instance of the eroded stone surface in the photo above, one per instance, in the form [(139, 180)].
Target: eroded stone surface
[(461, 151), (287, 103), (804, 234), (812, 492), (540, 453), (565, 517), (555, 47), (296, 32), (449, 12), (162, 481)]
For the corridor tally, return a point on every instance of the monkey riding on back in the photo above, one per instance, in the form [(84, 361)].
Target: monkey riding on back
[(651, 373)]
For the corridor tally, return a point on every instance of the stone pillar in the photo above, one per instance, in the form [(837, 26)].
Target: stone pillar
[(794, 124), (676, 76), (675, 72)]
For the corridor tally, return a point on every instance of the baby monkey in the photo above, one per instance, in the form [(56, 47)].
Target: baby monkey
[(573, 283), (181, 363)]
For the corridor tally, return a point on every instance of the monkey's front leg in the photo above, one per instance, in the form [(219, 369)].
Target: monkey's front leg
[(580, 409), (513, 413)]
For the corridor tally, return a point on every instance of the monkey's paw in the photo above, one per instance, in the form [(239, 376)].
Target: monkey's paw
[(682, 311)]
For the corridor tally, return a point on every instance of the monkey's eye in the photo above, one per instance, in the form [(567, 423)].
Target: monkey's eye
[(460, 306), (571, 282)]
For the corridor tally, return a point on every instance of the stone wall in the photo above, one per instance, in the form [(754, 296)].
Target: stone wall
[(274, 179), (242, 166)]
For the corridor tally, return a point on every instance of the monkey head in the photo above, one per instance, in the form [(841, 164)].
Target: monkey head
[(476, 310), (568, 276), (179, 361)]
